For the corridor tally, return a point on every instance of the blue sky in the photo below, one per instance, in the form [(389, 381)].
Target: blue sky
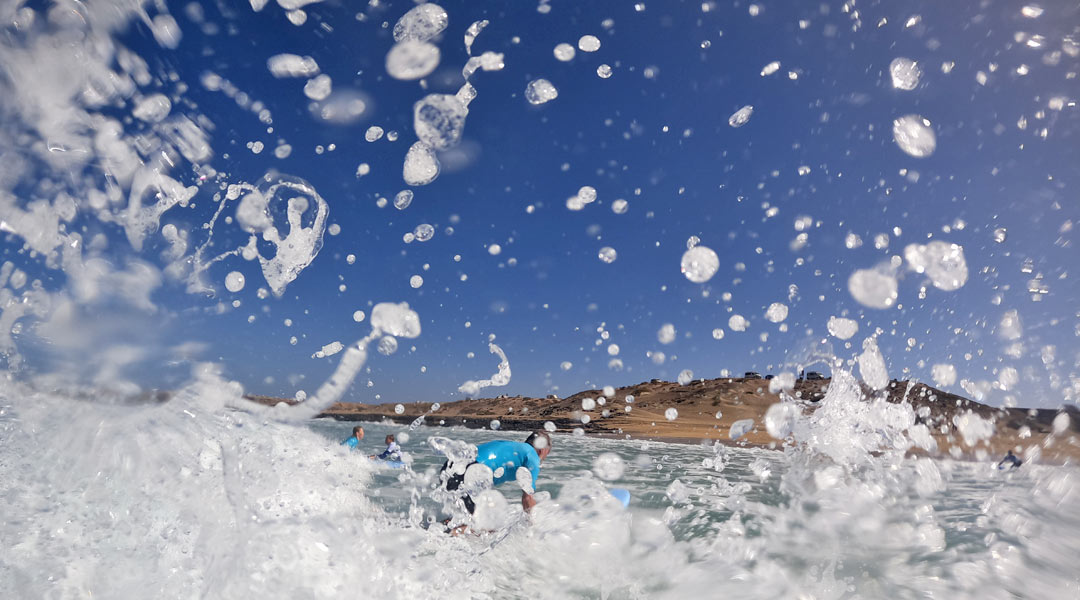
[(656, 134)]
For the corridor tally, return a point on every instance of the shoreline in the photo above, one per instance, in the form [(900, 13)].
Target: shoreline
[(520, 426), (706, 411)]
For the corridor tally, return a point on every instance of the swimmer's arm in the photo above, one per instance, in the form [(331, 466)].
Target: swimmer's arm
[(527, 501)]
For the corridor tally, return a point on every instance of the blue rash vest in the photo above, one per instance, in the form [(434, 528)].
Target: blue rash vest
[(510, 456), (351, 442)]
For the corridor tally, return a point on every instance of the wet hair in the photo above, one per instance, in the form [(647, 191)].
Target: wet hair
[(357, 429), (535, 437), (390, 438)]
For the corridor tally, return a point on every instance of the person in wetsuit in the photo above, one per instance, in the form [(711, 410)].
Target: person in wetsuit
[(392, 452), (1012, 459), (504, 458), (354, 440)]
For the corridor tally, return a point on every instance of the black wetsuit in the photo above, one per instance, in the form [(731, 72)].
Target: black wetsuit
[(454, 482), (1010, 458)]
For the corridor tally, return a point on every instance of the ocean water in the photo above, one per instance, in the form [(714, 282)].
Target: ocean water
[(956, 519), (204, 496)]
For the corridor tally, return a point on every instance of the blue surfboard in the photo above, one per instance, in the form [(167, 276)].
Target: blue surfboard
[(621, 495), (392, 464)]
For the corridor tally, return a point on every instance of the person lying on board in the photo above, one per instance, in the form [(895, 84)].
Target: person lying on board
[(392, 452), (1012, 459)]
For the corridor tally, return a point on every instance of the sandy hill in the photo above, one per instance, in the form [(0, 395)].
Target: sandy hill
[(708, 408)]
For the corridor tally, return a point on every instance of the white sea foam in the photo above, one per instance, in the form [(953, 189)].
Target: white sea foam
[(501, 378)]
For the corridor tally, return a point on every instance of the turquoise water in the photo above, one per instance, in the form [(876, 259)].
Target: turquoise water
[(650, 468), (678, 484)]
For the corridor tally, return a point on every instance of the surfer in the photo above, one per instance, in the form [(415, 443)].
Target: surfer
[(505, 458), (392, 452), (354, 440), (1012, 459)]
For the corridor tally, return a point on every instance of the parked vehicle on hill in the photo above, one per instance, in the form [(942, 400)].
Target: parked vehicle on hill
[(814, 376), (751, 375)]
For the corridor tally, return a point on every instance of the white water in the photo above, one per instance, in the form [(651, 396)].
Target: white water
[(194, 498)]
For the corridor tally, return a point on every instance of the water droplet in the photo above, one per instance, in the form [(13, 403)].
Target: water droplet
[(373, 133), (416, 281), (387, 346), (943, 374), (685, 377), (412, 60), (699, 264), (609, 466), (588, 43), (942, 262), (777, 312), (1031, 11), (875, 288), (234, 281), (403, 199), (671, 414), (604, 71), (424, 232), (318, 87), (666, 334), (780, 419), (421, 23), (740, 428), (421, 167), (741, 117), (842, 328), (152, 108), (540, 91), (905, 73), (439, 120), (607, 254), (914, 136), (292, 65), (564, 52)]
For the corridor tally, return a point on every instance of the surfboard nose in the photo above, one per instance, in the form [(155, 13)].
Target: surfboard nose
[(622, 495)]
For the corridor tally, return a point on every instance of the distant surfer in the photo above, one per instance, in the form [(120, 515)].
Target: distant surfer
[(505, 459), (1011, 459), (354, 440), (392, 452)]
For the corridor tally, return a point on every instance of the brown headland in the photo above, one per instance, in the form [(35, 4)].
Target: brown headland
[(707, 408)]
